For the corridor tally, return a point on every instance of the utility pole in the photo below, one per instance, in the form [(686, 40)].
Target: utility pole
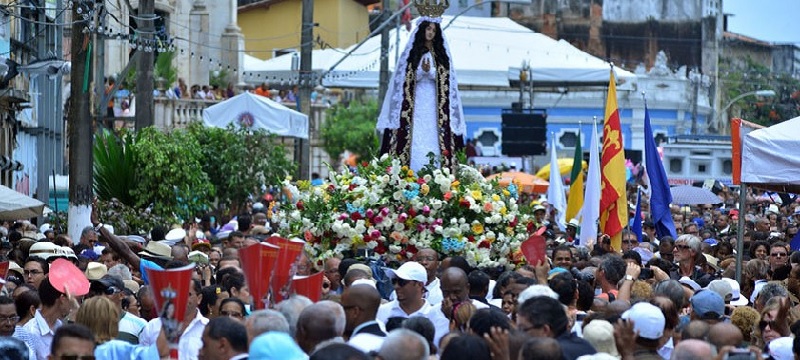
[(144, 74), (80, 130), (302, 150), (384, 74)]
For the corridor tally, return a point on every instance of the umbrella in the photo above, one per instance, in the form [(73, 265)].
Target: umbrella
[(17, 206), (564, 166), (690, 195), (527, 183)]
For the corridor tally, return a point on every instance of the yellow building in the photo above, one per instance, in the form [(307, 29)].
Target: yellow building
[(273, 27)]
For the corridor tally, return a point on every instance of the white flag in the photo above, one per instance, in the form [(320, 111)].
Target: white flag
[(591, 200), (555, 192)]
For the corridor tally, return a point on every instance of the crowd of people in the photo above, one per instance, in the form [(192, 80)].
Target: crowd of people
[(661, 298)]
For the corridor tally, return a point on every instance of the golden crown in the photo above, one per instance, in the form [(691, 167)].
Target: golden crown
[(431, 8)]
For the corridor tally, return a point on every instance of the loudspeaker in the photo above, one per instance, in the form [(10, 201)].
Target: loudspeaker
[(524, 132)]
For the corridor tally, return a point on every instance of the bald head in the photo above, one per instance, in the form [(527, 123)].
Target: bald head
[(697, 329), (454, 285), (692, 350), (319, 322), (366, 297), (725, 334)]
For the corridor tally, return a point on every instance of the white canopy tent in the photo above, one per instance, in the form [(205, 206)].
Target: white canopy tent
[(257, 112), (18, 206), (769, 159), (486, 52)]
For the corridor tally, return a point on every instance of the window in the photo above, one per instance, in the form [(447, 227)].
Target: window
[(727, 166), (487, 138), (701, 168), (569, 139), (675, 165)]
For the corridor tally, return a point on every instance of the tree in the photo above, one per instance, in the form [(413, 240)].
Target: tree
[(114, 167), (351, 128), (170, 179), (239, 161), (741, 76)]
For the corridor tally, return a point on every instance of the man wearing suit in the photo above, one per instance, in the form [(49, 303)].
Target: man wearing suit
[(360, 303)]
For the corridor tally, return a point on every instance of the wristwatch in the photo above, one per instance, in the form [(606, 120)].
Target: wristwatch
[(629, 277), (97, 227)]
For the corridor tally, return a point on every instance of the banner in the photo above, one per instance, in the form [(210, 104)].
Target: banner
[(309, 286), (285, 267), (258, 265), (171, 292), (575, 199)]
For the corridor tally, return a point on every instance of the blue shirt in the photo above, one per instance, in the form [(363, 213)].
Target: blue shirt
[(118, 349), (145, 264)]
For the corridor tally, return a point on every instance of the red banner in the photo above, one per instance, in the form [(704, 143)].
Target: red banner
[(286, 266), (171, 291), (534, 249), (258, 264), (309, 286)]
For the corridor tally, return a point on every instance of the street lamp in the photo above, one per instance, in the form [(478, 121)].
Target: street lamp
[(761, 93)]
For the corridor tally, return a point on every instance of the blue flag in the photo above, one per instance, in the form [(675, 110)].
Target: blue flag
[(660, 196), (795, 244), (636, 226)]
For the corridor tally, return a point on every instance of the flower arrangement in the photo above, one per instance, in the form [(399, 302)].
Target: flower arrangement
[(386, 207)]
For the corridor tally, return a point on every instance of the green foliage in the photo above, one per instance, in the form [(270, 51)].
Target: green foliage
[(239, 161), (170, 178), (741, 76), (114, 167), (219, 78), (129, 220), (164, 68), (351, 128)]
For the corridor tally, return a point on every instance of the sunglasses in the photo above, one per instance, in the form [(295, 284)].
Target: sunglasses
[(400, 282), (763, 324), (778, 255), (111, 290), (681, 247)]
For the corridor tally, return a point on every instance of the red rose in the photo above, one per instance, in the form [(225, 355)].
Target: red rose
[(420, 181), (380, 249), (514, 222), (530, 227), (485, 244), (464, 203), (355, 216), (471, 238), (412, 212), (300, 206), (364, 163), (352, 186)]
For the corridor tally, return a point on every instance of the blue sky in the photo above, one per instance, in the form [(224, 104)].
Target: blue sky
[(769, 20)]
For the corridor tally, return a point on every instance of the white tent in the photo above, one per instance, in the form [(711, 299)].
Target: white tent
[(486, 52), (257, 112), (17, 206), (770, 159)]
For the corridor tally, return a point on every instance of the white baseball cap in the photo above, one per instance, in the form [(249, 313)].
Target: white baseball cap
[(781, 348), (736, 293), (648, 320), (411, 270)]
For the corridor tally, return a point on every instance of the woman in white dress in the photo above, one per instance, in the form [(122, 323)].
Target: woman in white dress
[(422, 113)]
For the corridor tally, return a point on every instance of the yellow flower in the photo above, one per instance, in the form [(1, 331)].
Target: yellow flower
[(410, 173), (455, 184), (503, 211), (357, 241), (477, 228), (477, 195), (424, 189), (506, 192), (404, 168), (495, 197)]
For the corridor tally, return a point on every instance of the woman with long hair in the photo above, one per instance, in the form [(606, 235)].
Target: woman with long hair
[(101, 316), (422, 110), (774, 321)]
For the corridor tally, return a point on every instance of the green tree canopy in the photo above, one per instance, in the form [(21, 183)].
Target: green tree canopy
[(351, 128)]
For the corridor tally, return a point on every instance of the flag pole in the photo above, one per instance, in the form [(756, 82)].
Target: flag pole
[(740, 231)]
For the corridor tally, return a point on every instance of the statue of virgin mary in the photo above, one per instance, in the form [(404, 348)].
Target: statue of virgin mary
[(422, 111)]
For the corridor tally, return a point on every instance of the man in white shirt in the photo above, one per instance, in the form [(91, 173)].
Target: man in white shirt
[(409, 285), (193, 324), (455, 289), (429, 258), (47, 320), (360, 303)]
